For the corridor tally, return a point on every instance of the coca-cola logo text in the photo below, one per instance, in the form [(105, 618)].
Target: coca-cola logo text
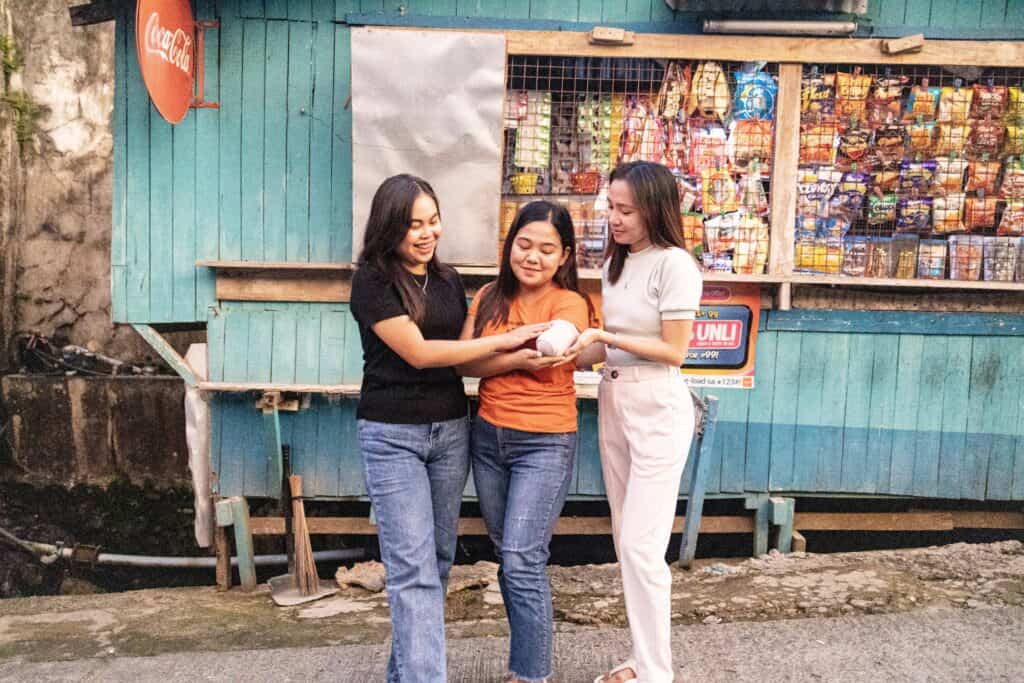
[(174, 47)]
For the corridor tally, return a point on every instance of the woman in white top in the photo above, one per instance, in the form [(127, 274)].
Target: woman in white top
[(650, 292)]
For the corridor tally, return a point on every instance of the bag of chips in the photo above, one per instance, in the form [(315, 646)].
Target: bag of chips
[(949, 174), (1000, 258), (951, 138), (922, 103), (965, 257), (707, 149), (815, 187), (988, 100), (1013, 143), (693, 234), (947, 211), (709, 92), (882, 209), (817, 94), (750, 253), (904, 256), (855, 256), (922, 137), (980, 212), (884, 103), (720, 233), (818, 143), (853, 145), (931, 260), (1012, 222), (1012, 186), (755, 96), (718, 191), (1015, 105), (849, 195), (955, 104), (749, 140), (982, 175), (986, 138), (917, 176), (914, 215), (886, 178), (851, 93)]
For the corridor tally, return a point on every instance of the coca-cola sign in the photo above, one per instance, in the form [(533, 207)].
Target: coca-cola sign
[(165, 43)]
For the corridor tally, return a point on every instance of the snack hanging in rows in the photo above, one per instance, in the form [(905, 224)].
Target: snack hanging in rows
[(980, 212), (1012, 222), (988, 100), (707, 149), (1013, 143), (982, 175), (1012, 186), (815, 187), (850, 193), (883, 105), (986, 137), (923, 102), (817, 94), (949, 174), (1015, 105), (922, 137), (752, 195), (917, 176), (853, 144), (931, 259), (750, 253), (749, 140), (718, 191), (965, 257), (709, 92), (677, 142), (674, 87), (818, 142), (818, 255), (955, 104), (882, 209), (947, 211), (886, 177), (852, 93), (914, 215), (951, 138), (689, 195), (755, 96), (890, 143), (693, 234), (1000, 257)]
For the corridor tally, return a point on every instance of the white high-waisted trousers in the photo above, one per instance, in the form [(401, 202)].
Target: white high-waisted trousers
[(645, 426)]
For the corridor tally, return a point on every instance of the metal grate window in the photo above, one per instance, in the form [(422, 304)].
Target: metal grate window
[(570, 121), (911, 172)]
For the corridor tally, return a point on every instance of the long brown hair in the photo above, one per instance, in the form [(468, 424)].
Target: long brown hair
[(657, 198), (497, 296), (389, 221)]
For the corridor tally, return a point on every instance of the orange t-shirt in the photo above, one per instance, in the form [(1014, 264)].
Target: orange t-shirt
[(542, 401)]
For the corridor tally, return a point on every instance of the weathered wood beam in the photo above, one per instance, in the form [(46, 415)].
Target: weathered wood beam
[(93, 13)]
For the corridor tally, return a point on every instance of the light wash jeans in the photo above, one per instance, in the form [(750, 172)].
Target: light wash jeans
[(415, 475), (522, 479)]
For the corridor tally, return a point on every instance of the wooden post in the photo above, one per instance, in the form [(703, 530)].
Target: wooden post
[(785, 160), (223, 548), (243, 543), (761, 506), (272, 442), (799, 542), (698, 484)]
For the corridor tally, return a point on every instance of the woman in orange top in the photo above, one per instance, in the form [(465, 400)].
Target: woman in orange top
[(523, 441)]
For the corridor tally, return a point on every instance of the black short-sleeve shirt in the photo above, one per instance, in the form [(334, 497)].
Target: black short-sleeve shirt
[(394, 391)]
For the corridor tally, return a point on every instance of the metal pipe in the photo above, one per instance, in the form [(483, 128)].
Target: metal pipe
[(46, 549), (785, 28)]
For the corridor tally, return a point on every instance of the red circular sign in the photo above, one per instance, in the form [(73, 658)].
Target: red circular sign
[(165, 43)]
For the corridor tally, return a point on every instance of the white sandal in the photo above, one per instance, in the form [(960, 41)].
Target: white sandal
[(628, 664)]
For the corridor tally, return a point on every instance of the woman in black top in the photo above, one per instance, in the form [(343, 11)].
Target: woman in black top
[(412, 417)]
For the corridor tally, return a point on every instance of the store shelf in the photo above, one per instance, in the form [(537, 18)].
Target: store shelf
[(275, 265), (844, 281)]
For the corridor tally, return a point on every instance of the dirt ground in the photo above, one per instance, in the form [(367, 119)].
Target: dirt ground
[(155, 621)]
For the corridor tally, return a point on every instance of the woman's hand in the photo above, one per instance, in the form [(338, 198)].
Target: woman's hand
[(586, 338), (532, 360), (513, 339)]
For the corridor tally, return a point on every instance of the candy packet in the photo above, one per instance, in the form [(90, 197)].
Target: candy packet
[(947, 211), (922, 102), (965, 257), (754, 96), (988, 100), (914, 215), (917, 176), (817, 94), (1000, 258), (881, 209), (931, 260), (855, 256)]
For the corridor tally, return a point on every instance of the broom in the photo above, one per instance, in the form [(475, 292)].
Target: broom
[(306, 578)]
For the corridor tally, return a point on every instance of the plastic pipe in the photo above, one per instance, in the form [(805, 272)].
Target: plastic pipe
[(786, 28), (190, 562)]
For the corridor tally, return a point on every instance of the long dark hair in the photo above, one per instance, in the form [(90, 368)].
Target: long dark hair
[(389, 221), (497, 296), (657, 198)]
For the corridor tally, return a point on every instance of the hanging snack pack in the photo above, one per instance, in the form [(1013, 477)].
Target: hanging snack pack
[(674, 86), (709, 92), (1013, 142), (965, 257), (947, 211), (931, 260), (750, 252), (922, 103), (917, 176), (718, 191), (693, 234), (988, 100), (914, 215), (982, 175), (1000, 258), (904, 256), (986, 138), (815, 188), (889, 145), (1015, 105), (533, 137), (884, 104), (1012, 222), (817, 94), (749, 140), (852, 93), (980, 212), (1012, 186), (755, 96), (707, 149), (849, 195), (955, 104), (949, 174), (818, 142), (753, 198), (882, 209), (922, 137), (853, 145), (886, 177), (951, 138)]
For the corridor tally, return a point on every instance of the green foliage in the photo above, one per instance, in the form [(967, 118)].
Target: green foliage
[(9, 57), (26, 112)]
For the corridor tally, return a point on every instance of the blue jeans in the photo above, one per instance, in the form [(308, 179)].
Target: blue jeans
[(415, 475), (522, 479)]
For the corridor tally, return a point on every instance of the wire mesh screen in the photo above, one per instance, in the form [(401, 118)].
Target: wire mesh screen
[(911, 172), (570, 121)]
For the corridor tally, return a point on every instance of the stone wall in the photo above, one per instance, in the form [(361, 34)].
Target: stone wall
[(55, 201)]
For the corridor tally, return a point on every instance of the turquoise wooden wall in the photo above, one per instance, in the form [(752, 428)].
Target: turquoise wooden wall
[(268, 177), (844, 402)]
